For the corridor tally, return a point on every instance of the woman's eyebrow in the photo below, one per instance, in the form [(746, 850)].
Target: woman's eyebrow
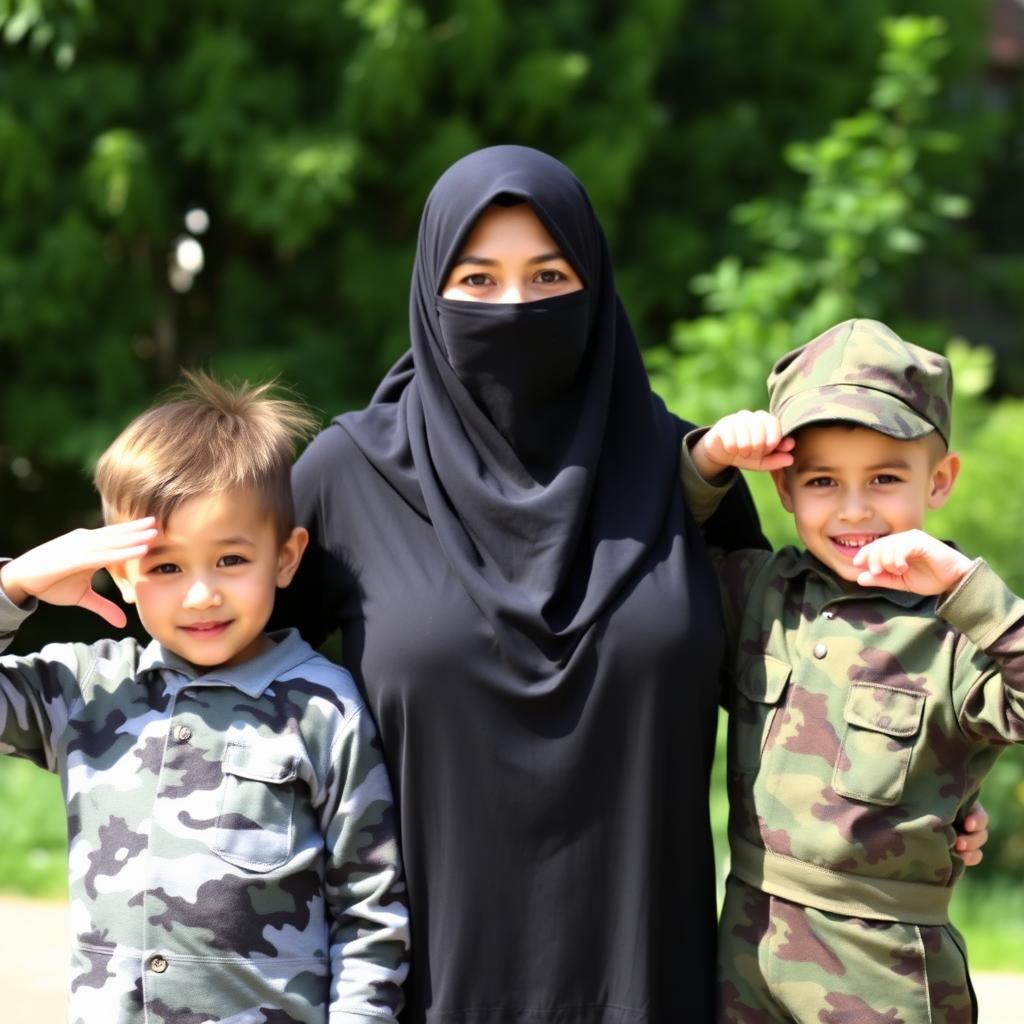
[(547, 257), (479, 260)]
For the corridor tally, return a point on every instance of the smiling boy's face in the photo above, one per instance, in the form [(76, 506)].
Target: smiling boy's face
[(205, 588), (850, 485)]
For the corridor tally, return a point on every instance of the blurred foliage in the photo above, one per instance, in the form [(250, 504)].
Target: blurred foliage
[(309, 134), (33, 855), (837, 249), (843, 247)]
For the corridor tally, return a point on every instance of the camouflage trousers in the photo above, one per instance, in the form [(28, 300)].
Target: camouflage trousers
[(781, 961)]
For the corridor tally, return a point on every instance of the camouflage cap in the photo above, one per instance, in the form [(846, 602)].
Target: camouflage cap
[(861, 372)]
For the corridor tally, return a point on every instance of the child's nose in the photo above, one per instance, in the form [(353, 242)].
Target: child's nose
[(856, 507), (201, 595)]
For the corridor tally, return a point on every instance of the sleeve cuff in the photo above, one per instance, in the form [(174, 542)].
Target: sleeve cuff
[(981, 606), (702, 496), (11, 614)]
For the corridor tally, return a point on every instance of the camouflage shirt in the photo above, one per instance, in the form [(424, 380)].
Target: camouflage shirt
[(862, 722), (232, 853)]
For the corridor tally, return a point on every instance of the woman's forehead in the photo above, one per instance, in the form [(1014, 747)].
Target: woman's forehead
[(501, 227), (499, 175)]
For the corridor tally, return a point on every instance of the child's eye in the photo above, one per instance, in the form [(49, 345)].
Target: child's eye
[(819, 481), (887, 478), (550, 276), (163, 569), (227, 561)]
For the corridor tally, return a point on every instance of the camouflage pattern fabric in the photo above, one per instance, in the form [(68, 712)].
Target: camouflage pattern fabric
[(862, 723), (861, 372), (783, 962), (232, 852)]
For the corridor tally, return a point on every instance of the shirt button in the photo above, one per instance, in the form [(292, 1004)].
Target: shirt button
[(157, 964), (183, 733), (819, 651)]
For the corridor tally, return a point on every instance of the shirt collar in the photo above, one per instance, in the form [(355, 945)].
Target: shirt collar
[(837, 589), (251, 677)]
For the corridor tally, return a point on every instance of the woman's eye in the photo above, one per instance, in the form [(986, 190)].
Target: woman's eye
[(229, 560), (551, 276), (476, 280), (163, 569)]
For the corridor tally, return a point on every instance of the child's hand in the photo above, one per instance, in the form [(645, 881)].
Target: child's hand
[(61, 570), (912, 560), (974, 835), (746, 440)]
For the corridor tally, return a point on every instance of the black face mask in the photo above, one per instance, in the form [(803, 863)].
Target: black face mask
[(517, 360)]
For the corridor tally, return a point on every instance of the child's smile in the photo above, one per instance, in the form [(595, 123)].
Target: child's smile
[(205, 588), (850, 485)]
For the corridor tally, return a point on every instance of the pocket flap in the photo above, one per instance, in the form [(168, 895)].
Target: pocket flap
[(763, 679), (884, 709), (262, 762)]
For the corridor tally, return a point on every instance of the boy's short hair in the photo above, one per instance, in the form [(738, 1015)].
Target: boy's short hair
[(205, 438), (863, 373)]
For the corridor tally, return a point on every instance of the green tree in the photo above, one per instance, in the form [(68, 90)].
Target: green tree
[(846, 245)]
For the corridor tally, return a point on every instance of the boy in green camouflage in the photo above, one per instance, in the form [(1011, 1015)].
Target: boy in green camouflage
[(232, 852), (875, 677)]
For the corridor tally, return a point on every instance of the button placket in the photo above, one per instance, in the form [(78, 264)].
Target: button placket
[(157, 963)]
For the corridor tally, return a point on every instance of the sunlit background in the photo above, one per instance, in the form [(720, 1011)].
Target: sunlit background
[(237, 185)]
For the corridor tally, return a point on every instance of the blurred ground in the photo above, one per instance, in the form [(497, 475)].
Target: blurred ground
[(34, 964), (33, 967)]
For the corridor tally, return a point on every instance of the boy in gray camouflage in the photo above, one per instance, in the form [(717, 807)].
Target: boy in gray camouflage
[(232, 852), (875, 677)]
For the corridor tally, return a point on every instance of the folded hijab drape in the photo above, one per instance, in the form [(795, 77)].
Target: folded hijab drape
[(527, 435)]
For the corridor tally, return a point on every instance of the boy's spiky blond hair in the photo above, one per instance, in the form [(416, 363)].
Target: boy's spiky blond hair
[(205, 438)]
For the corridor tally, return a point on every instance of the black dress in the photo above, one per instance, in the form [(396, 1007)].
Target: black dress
[(535, 625)]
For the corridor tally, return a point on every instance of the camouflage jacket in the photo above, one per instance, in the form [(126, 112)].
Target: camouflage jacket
[(862, 722), (232, 853)]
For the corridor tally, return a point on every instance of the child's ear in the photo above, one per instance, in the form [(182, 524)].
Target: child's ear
[(781, 482), (290, 554), (943, 477), (120, 578)]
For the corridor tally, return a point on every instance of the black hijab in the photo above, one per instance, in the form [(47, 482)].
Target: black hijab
[(547, 499)]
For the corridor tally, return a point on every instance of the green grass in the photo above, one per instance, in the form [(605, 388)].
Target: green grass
[(33, 843), (990, 914)]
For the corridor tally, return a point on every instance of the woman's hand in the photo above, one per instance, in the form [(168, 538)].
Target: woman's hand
[(744, 440), (61, 570), (974, 835), (912, 560)]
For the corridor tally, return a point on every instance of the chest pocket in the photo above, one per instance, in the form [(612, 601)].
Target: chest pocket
[(882, 724), (255, 828), (758, 693)]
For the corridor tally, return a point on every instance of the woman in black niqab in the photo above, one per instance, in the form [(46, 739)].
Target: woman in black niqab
[(545, 500), (528, 608)]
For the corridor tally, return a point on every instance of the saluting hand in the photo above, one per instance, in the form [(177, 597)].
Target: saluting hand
[(912, 560), (61, 570), (744, 440)]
